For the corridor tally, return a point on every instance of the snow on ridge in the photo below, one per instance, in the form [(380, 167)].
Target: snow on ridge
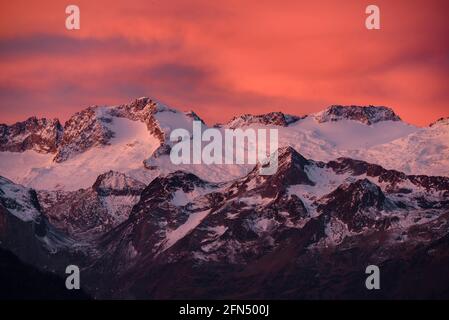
[(177, 234), (425, 151), (440, 122), (181, 198), (18, 200), (103, 138), (389, 143), (130, 145)]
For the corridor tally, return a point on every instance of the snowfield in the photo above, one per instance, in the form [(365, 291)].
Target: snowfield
[(392, 144), (131, 144)]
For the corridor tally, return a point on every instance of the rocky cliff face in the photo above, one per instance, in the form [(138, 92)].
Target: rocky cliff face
[(364, 114), (238, 233), (41, 135), (272, 118), (82, 131), (89, 213), (90, 127)]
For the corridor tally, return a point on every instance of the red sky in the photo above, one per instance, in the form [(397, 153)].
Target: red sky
[(224, 57)]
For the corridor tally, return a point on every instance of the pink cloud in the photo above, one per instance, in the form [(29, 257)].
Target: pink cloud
[(224, 57)]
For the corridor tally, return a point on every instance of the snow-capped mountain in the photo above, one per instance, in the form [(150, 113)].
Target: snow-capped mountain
[(100, 192), (373, 134), (182, 221), (134, 139), (93, 141)]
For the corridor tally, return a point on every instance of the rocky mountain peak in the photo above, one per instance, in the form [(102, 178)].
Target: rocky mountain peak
[(85, 129), (178, 180), (290, 171), (41, 135), (390, 177), (139, 109), (288, 156), (440, 122), (90, 127), (116, 183), (194, 116), (356, 203), (364, 114), (272, 118)]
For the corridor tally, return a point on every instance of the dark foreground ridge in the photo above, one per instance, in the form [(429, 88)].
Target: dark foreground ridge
[(22, 281)]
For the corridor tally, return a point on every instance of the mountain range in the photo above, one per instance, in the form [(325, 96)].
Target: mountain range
[(355, 186)]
